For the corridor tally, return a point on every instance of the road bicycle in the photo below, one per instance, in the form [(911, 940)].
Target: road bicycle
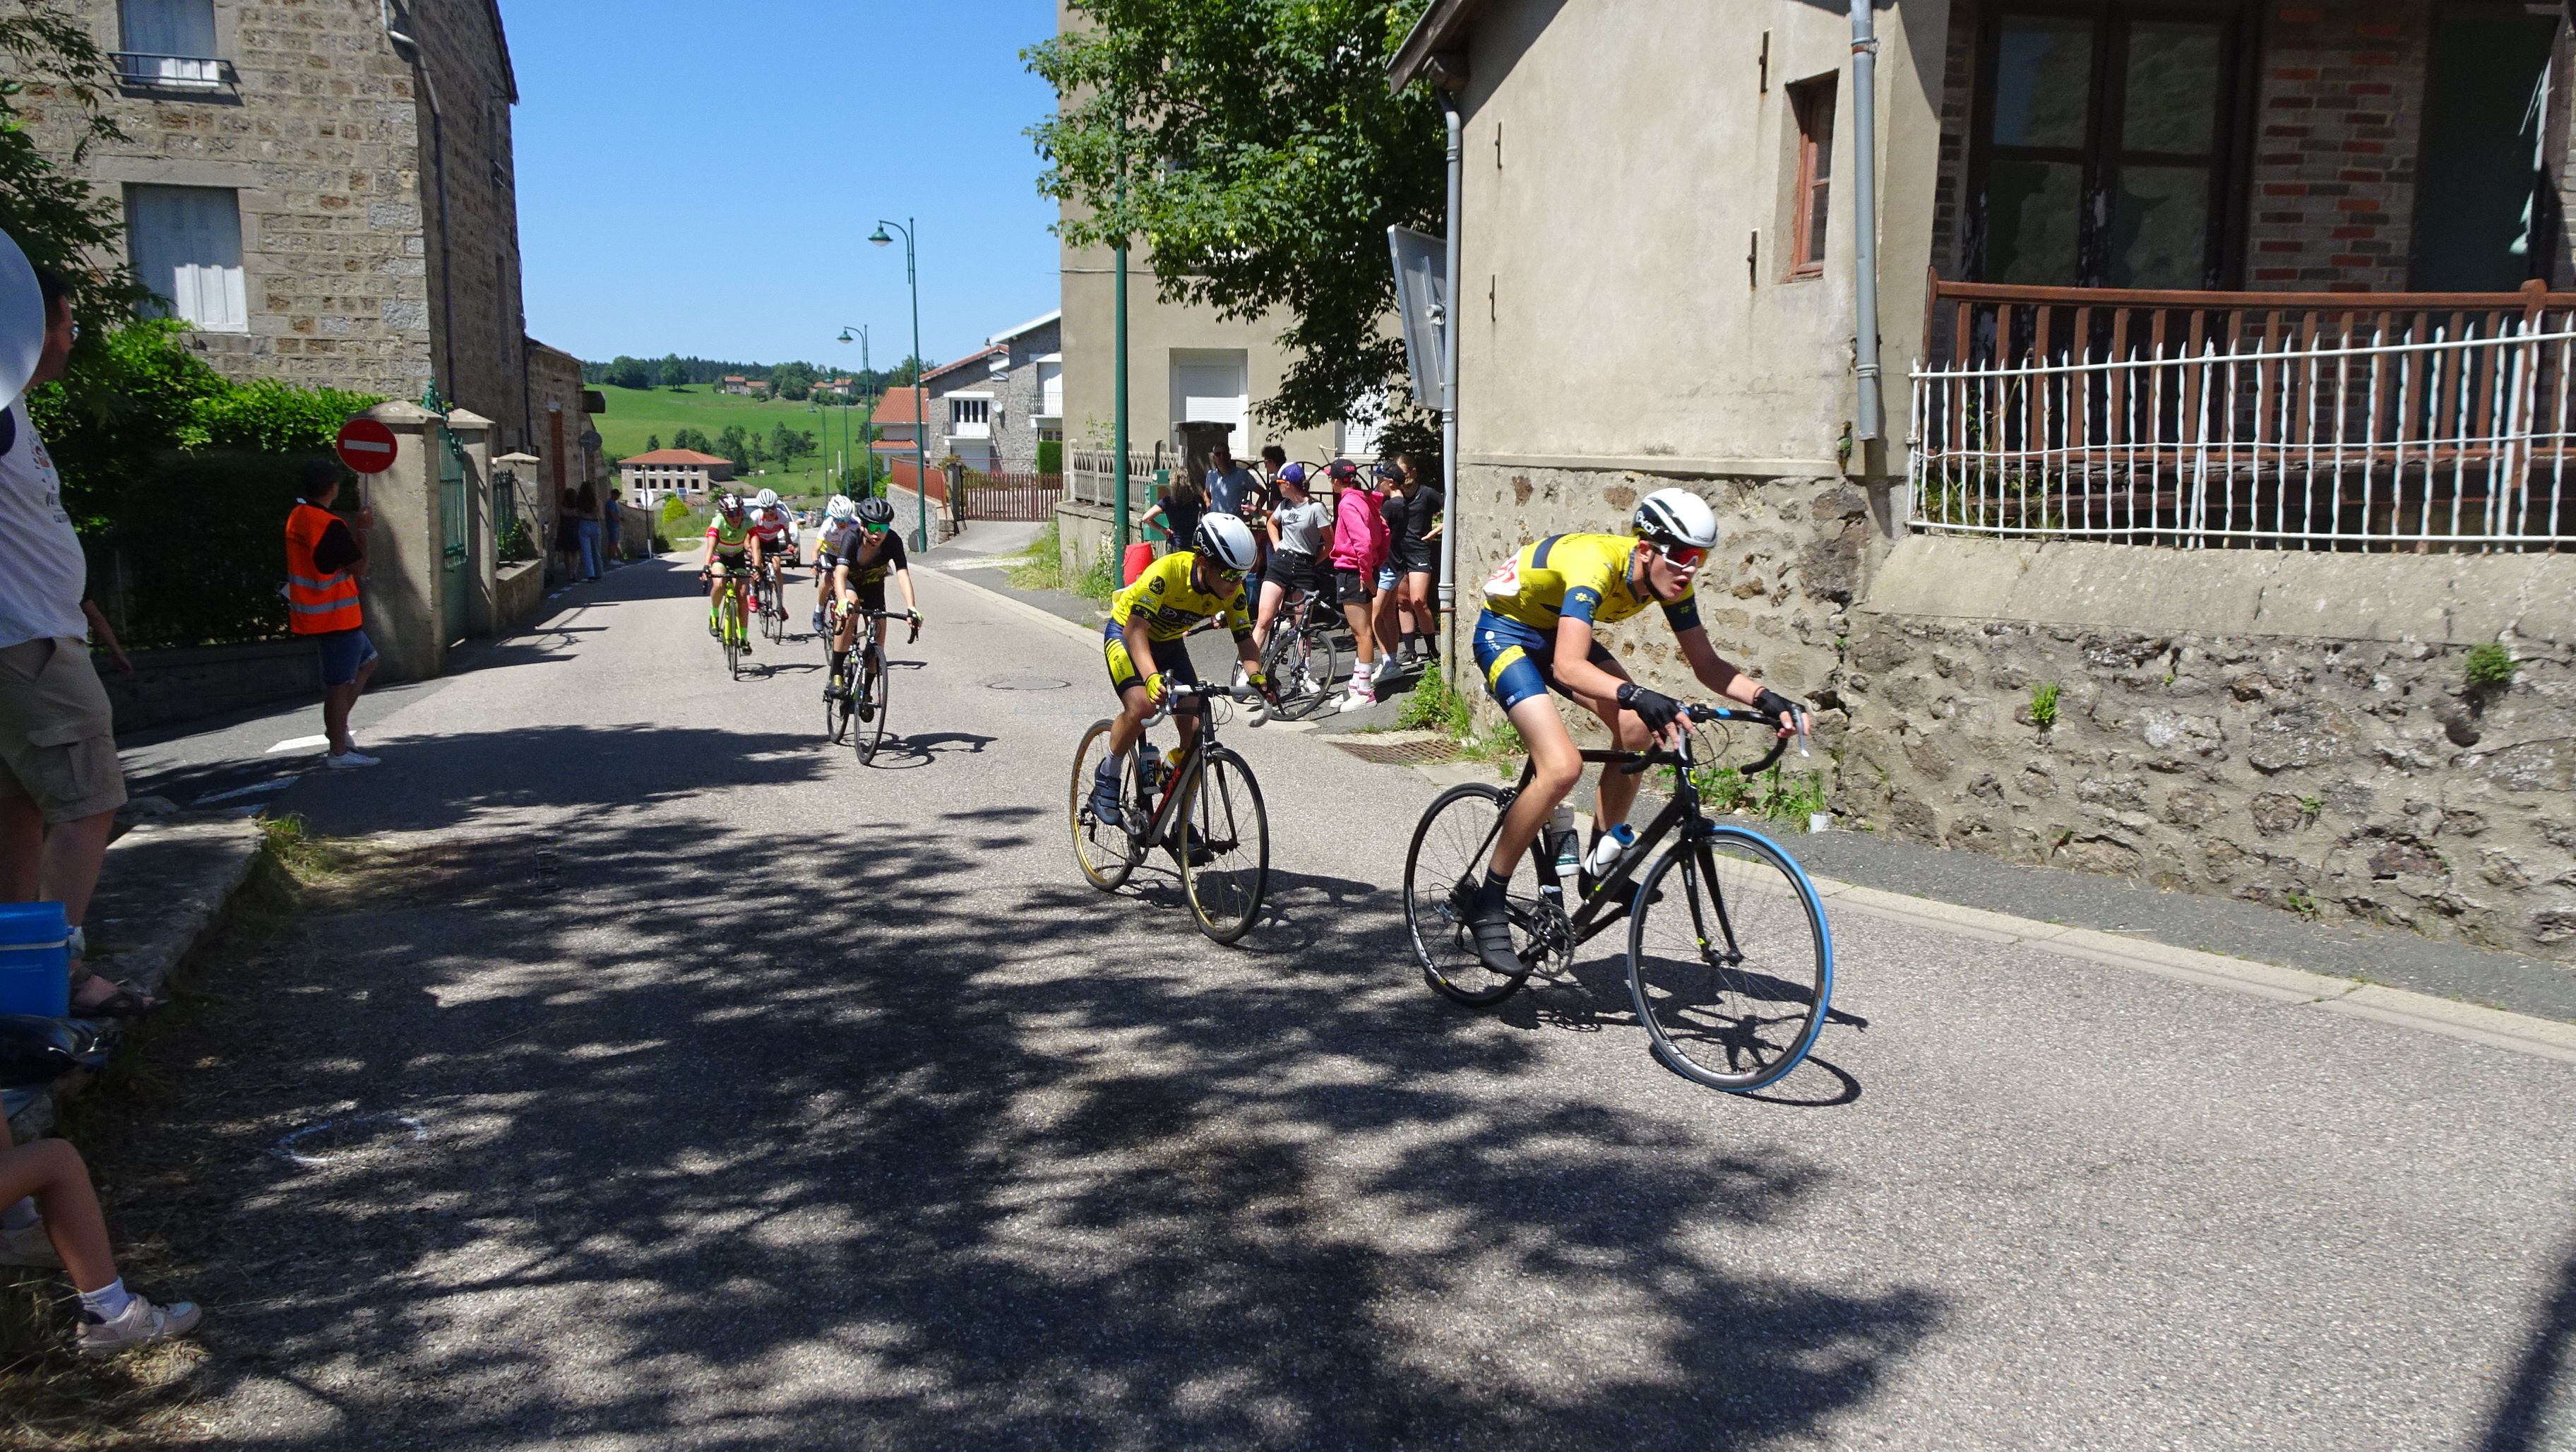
[(1729, 961), (865, 696), (725, 620), (1205, 810), (769, 600), (1299, 654)]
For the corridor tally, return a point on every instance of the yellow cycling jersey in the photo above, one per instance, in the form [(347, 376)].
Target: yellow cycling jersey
[(1581, 576), (1175, 604)]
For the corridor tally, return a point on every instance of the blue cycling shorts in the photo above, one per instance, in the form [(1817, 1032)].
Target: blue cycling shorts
[(1519, 661)]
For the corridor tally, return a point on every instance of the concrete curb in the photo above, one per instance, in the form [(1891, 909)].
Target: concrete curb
[(1022, 607), (2539, 1037), (161, 894)]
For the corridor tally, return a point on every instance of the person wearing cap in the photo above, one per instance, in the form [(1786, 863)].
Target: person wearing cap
[(60, 782)]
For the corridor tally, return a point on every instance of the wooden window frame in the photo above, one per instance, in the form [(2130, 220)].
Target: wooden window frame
[(1810, 100)]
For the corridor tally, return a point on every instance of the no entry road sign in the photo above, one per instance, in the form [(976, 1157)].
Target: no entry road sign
[(366, 446)]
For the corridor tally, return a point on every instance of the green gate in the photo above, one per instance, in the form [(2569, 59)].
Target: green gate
[(456, 587)]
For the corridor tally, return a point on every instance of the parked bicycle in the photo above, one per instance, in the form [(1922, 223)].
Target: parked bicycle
[(1204, 808), (1729, 962), (1299, 655), (860, 688)]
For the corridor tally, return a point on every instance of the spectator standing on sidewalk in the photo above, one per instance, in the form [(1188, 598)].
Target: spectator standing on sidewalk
[(326, 557), (616, 527), (568, 535), (586, 505), (60, 783)]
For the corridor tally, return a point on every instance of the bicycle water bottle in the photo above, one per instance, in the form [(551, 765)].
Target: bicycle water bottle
[(1607, 847), (1566, 843)]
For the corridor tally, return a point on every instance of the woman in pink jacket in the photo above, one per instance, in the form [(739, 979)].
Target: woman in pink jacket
[(1359, 547)]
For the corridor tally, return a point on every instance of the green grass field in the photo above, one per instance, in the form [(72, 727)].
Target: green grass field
[(637, 414)]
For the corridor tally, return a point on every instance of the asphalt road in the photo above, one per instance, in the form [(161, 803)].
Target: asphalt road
[(817, 1104)]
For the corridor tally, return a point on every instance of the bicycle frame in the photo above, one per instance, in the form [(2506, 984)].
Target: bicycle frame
[(1613, 896), (1193, 750)]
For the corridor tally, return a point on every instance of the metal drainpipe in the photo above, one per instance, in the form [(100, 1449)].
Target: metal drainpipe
[(1864, 44), (1449, 392)]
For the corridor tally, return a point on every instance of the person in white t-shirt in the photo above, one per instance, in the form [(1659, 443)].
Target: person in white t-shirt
[(60, 783)]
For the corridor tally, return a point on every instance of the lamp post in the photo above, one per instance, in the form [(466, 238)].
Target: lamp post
[(867, 431), (920, 423)]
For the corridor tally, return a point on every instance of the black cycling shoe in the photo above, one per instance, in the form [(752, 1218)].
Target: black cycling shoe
[(1104, 801), (1493, 932)]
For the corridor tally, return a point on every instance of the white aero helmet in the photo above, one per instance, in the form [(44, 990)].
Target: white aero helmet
[(768, 499), (1672, 517), (1225, 539), (840, 507)]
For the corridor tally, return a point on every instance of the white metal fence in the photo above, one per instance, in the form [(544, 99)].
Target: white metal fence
[(2372, 437)]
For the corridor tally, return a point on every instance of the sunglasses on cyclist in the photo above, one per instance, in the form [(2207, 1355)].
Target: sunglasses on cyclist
[(874, 528), (1685, 558)]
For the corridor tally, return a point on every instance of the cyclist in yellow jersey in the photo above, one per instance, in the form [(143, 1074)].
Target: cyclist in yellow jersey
[(1535, 636), (1142, 639)]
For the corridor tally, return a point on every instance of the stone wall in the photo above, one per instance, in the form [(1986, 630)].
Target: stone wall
[(2291, 728), (1792, 557), (477, 314), (1017, 398)]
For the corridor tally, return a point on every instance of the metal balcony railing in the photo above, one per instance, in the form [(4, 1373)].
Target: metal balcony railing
[(2335, 421), (142, 70)]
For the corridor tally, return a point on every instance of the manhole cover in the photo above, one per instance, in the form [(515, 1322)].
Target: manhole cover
[(356, 1135), (1419, 751), (1027, 683)]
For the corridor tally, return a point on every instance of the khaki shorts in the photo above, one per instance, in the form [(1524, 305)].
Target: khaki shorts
[(57, 733)]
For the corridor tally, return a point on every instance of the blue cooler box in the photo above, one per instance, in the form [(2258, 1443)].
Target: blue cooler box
[(35, 959)]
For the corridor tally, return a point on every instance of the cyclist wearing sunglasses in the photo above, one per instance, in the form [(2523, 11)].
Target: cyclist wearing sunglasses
[(859, 570), (1535, 636), (1144, 637)]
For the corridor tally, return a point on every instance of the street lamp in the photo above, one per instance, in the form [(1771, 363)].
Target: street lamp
[(867, 432), (920, 424)]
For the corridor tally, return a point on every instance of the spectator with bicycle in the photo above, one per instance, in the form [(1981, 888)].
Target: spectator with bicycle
[(1296, 528)]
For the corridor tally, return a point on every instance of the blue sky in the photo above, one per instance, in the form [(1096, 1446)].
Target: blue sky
[(677, 193)]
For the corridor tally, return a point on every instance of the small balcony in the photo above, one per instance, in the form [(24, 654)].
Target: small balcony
[(2423, 422), (141, 73)]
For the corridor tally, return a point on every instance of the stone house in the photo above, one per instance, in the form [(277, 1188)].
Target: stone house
[(1027, 382), (2217, 407), (651, 478), (325, 192)]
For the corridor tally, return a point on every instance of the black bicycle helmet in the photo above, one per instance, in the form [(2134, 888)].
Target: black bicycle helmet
[(875, 513)]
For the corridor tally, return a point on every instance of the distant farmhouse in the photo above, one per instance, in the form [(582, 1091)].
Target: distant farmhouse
[(735, 383), (651, 478)]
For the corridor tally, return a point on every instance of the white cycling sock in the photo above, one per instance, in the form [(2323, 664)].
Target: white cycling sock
[(19, 1216), (109, 1301)]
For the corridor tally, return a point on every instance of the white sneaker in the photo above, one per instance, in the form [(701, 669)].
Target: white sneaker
[(1358, 698), (351, 759), (27, 1246), (142, 1324)]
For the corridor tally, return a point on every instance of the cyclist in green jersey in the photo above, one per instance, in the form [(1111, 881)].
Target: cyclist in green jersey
[(733, 548)]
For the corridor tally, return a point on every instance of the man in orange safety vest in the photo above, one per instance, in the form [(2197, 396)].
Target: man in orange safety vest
[(326, 557)]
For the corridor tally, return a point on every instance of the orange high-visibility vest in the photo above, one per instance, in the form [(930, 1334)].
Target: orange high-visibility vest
[(316, 602)]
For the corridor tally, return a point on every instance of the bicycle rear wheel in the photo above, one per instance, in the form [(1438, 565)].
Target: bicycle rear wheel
[(1222, 837), (836, 711), (1442, 871), (1106, 850), (870, 689), (730, 626), (1731, 967)]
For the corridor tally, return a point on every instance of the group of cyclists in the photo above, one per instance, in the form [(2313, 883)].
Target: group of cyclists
[(857, 550), (1535, 635)]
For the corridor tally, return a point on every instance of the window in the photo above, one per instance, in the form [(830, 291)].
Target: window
[(968, 410), (1811, 104), (2103, 140), (186, 244), (170, 43)]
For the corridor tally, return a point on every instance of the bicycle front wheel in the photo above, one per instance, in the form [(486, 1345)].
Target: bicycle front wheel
[(730, 625), (1442, 871), (1223, 842), (1107, 849), (1729, 961), (869, 734)]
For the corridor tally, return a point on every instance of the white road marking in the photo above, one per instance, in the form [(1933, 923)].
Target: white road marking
[(300, 743), (254, 789)]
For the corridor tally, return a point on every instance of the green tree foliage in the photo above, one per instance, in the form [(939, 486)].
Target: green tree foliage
[(792, 381), (652, 442), (675, 374), (628, 373), (1263, 160), (690, 437), (54, 215), (735, 444)]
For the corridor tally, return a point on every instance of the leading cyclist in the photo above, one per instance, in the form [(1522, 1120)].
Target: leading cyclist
[(1535, 636), (859, 573), (1147, 623), (733, 548)]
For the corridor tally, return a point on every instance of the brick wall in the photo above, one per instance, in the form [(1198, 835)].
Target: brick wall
[(2340, 107)]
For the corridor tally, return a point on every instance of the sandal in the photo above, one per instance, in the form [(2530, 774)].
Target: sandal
[(123, 1003)]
